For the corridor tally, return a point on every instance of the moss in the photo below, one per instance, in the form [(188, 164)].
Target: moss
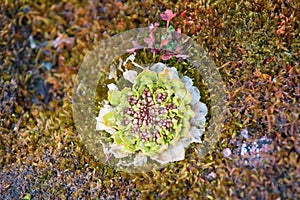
[(255, 46)]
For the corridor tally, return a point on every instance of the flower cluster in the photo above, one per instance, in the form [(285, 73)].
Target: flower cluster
[(148, 111), (159, 114)]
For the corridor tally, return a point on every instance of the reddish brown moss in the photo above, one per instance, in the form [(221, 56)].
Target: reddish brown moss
[(255, 46)]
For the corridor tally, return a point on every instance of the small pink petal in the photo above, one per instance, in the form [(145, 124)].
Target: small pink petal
[(155, 25), (164, 17), (168, 15), (167, 56), (179, 30), (164, 42)]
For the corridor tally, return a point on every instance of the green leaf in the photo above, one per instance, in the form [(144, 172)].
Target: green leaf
[(154, 148), (188, 112), (177, 84), (187, 98), (126, 92), (114, 97), (109, 119), (146, 77), (126, 140), (117, 138), (171, 29), (142, 87), (181, 93), (129, 148)]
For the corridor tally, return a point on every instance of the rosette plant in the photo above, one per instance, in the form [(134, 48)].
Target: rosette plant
[(156, 118), (169, 42)]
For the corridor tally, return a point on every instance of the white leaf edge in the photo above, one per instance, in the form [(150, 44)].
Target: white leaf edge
[(172, 154), (100, 126), (117, 151), (112, 86), (158, 67), (130, 75), (113, 71)]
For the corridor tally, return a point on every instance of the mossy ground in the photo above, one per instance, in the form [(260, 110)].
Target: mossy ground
[(255, 45)]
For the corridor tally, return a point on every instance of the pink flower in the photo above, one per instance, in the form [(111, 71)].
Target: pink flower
[(167, 56), (151, 39), (154, 26), (167, 16), (179, 31)]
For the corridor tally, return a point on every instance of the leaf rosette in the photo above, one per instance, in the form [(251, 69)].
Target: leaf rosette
[(156, 118)]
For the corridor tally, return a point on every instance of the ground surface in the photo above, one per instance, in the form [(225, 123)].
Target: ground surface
[(255, 45)]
